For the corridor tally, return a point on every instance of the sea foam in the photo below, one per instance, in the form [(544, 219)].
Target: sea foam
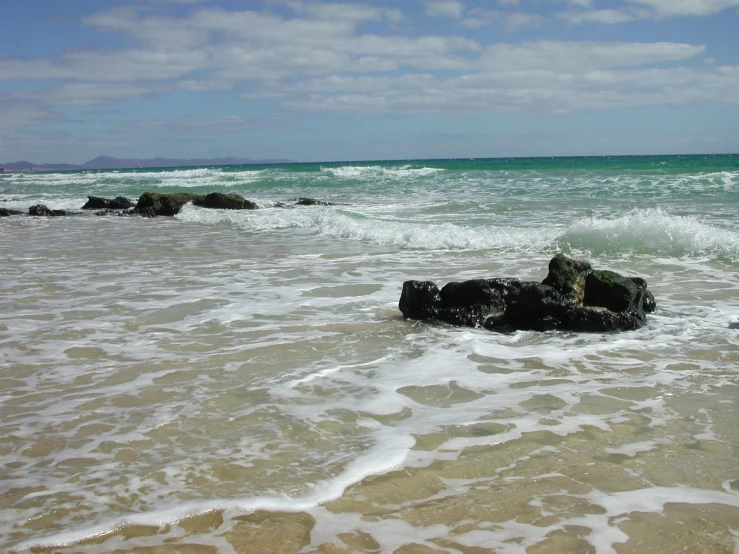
[(376, 171), (346, 225), (242, 361), (650, 231)]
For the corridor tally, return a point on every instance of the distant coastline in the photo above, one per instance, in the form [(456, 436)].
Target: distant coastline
[(110, 162), (636, 161)]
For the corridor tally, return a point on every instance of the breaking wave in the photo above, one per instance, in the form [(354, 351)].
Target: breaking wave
[(650, 231)]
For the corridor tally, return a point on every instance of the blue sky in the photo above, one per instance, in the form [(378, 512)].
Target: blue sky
[(388, 79)]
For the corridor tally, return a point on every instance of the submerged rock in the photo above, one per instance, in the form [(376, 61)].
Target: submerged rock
[(98, 203), (572, 297), (5, 212), (311, 202), (120, 213), (152, 204), (225, 201)]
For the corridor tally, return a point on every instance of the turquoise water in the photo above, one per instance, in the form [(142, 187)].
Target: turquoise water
[(242, 381), (591, 204)]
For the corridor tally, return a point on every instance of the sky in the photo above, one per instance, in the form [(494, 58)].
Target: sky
[(388, 79)]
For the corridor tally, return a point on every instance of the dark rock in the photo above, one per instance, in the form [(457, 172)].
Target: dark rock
[(469, 303), (420, 300), (648, 302), (594, 319), (5, 212), (537, 307), (312, 202), (42, 210), (121, 203), (225, 201), (568, 276), (608, 289), (572, 297), (152, 204), (469, 293), (96, 203)]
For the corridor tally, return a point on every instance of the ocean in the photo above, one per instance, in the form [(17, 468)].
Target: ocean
[(244, 382)]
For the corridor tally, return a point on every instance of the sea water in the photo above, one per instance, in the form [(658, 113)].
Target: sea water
[(243, 381)]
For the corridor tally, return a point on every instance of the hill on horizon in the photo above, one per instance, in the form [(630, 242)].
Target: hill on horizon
[(110, 162)]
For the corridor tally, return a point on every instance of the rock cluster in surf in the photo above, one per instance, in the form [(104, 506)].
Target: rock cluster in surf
[(118, 203), (153, 204), (572, 297)]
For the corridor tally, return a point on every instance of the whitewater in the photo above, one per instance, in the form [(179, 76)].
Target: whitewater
[(243, 381)]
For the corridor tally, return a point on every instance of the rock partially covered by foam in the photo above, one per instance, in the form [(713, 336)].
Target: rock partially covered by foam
[(573, 297), (43, 210), (311, 202), (98, 203), (225, 201), (152, 204)]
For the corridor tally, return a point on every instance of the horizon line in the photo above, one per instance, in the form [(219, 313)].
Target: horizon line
[(279, 161)]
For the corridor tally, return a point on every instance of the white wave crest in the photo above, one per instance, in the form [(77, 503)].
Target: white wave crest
[(358, 172), (650, 231), (344, 225)]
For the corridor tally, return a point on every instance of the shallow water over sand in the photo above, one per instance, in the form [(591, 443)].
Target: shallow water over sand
[(231, 382)]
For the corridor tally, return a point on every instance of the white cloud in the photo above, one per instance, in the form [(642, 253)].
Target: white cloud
[(582, 11), (204, 85), (157, 2), (92, 94), (542, 77), (127, 65), (320, 59), (582, 56), (246, 45), (479, 17), (670, 8), (610, 17), (528, 91), (357, 13), (445, 8), (20, 110), (521, 20), (210, 125)]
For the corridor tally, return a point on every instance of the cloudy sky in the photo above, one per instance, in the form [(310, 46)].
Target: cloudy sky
[(388, 79)]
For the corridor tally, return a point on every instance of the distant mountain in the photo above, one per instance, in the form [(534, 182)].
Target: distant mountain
[(109, 162), (17, 165)]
